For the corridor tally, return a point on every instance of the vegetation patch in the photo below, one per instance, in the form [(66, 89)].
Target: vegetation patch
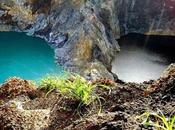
[(157, 120), (75, 87)]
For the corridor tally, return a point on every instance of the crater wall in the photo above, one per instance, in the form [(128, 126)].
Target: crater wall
[(83, 33)]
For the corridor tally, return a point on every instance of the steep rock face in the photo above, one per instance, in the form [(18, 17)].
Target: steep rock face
[(83, 32), (147, 16), (71, 28)]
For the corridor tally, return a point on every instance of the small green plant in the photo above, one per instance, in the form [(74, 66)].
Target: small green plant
[(157, 120), (78, 88), (50, 83)]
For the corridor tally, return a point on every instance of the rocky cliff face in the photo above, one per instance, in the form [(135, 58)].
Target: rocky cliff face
[(147, 16), (83, 32)]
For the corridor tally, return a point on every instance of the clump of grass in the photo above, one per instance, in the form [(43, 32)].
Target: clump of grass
[(157, 120), (78, 88), (50, 83)]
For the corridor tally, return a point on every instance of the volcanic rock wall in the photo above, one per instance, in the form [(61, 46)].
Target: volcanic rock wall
[(84, 32)]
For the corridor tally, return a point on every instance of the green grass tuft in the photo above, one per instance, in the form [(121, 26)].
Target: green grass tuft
[(160, 122), (78, 88)]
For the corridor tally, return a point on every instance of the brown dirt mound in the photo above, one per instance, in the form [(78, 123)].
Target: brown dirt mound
[(15, 86)]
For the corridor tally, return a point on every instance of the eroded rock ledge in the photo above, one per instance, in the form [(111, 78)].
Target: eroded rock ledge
[(83, 32)]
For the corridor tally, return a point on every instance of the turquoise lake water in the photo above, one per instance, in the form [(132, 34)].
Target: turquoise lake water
[(27, 57)]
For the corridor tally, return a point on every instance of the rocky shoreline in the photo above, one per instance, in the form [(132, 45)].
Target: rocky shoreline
[(24, 106)]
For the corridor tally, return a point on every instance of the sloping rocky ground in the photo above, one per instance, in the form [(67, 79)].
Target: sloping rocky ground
[(24, 107)]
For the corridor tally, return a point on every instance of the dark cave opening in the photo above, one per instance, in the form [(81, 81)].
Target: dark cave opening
[(143, 57)]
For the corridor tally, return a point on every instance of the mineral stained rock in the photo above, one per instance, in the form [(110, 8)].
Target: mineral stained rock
[(83, 32)]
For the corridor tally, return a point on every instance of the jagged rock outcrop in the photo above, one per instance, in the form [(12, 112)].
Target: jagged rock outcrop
[(83, 32)]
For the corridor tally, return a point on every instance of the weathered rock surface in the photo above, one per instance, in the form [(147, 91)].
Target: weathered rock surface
[(165, 83), (15, 86), (120, 105), (13, 116), (83, 32)]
